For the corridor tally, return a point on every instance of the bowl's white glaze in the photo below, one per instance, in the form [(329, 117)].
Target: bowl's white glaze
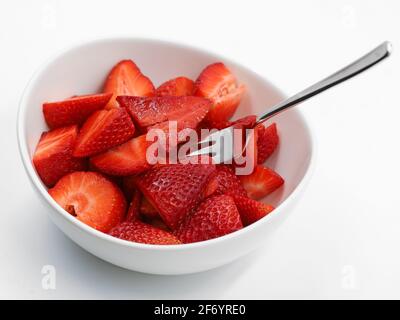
[(83, 68)]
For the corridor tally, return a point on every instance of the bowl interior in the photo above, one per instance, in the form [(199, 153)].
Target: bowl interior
[(83, 69)]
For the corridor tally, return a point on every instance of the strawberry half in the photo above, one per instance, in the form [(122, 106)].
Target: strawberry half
[(261, 182), (53, 155), (215, 217), (124, 160), (226, 183), (251, 210), (146, 112), (180, 86), (133, 210), (91, 198), (143, 233), (174, 190), (217, 83), (103, 130), (74, 110), (267, 141), (127, 79)]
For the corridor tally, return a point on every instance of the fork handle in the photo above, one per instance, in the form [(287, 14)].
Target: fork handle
[(365, 62)]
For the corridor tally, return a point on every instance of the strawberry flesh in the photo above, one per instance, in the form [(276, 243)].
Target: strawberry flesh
[(180, 86), (124, 160), (74, 110), (267, 142), (53, 155), (261, 182), (127, 79), (91, 198), (146, 112), (217, 83), (103, 130)]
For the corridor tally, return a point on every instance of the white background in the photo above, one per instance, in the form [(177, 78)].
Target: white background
[(342, 241)]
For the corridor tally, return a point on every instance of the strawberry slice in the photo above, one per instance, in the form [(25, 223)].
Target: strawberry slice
[(180, 86), (174, 190), (91, 198), (242, 123), (267, 141), (226, 183), (217, 83), (124, 160), (146, 112), (103, 130), (74, 110), (133, 210), (148, 210), (127, 79), (261, 182), (138, 231), (53, 155), (251, 210), (215, 217)]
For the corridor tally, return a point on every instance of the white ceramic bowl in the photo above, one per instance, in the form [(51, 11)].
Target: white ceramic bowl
[(82, 69)]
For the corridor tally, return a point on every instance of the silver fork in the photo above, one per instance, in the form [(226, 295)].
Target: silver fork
[(219, 145)]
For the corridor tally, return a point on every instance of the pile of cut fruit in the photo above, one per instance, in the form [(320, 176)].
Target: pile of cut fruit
[(93, 159)]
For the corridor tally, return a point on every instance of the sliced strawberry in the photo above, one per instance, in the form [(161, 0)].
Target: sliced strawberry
[(227, 183), (146, 112), (215, 217), (143, 233), (251, 210), (103, 130), (74, 110), (217, 83), (124, 160), (242, 123), (174, 190), (127, 79), (91, 198), (268, 140), (180, 86), (148, 210), (133, 210), (261, 182), (53, 155), (157, 222)]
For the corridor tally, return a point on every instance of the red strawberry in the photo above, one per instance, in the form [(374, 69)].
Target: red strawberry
[(103, 130), (147, 209), (261, 182), (127, 79), (74, 110), (180, 86), (174, 190), (215, 217), (217, 83), (227, 183), (53, 155), (267, 142), (124, 160), (91, 198), (143, 233), (157, 222), (251, 210), (242, 123), (133, 210), (146, 112)]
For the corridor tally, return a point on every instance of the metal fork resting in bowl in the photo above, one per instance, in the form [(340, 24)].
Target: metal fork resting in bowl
[(219, 145)]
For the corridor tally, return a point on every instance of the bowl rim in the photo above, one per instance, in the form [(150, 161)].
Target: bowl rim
[(38, 185)]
